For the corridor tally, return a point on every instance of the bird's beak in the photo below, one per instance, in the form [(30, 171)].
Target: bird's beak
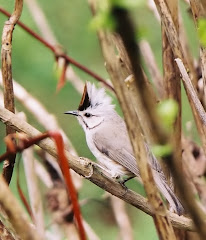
[(75, 113)]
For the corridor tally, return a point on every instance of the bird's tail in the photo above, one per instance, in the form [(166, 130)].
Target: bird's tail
[(167, 192)]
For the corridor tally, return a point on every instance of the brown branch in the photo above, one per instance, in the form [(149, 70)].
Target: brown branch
[(172, 36), (182, 36), (152, 67), (91, 171), (7, 77), (172, 85), (178, 53), (62, 54), (16, 215), (5, 233), (203, 5), (125, 28), (189, 199), (25, 143), (198, 13), (34, 191), (122, 219), (125, 73)]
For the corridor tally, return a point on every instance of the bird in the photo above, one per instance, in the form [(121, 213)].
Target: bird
[(108, 140)]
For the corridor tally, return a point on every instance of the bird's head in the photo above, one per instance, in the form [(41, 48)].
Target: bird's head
[(94, 107)]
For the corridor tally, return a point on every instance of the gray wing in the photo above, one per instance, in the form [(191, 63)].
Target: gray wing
[(114, 142)]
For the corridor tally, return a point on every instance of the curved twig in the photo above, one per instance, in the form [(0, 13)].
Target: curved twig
[(60, 54), (7, 77)]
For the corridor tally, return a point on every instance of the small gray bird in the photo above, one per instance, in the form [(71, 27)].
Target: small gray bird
[(107, 138)]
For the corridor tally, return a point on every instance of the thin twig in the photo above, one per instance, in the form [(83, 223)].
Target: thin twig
[(60, 54), (46, 32), (122, 218), (33, 191), (7, 77), (91, 171), (152, 67), (193, 94)]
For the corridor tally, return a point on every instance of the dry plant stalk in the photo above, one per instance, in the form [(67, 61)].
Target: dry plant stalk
[(17, 216), (90, 170), (182, 185), (178, 53), (127, 76), (7, 77), (151, 64), (25, 143), (5, 234), (172, 85), (122, 218), (33, 191), (196, 213), (198, 13), (126, 31)]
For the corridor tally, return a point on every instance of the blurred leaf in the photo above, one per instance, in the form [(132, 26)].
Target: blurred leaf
[(202, 31), (162, 150), (167, 111), (104, 20), (57, 70), (127, 4), (141, 34)]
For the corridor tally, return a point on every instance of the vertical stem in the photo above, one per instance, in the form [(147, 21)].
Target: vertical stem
[(6, 60), (171, 81), (198, 12)]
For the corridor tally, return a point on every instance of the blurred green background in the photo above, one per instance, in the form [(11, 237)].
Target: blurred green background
[(34, 68)]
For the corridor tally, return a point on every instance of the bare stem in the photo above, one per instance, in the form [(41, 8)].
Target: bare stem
[(16, 215), (6, 52)]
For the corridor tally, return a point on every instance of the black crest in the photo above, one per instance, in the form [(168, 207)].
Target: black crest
[(85, 102)]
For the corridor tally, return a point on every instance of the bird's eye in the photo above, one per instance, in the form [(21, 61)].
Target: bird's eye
[(87, 115)]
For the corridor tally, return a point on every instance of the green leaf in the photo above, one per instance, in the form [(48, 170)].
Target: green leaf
[(201, 26), (127, 4), (104, 20), (162, 150), (167, 111)]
